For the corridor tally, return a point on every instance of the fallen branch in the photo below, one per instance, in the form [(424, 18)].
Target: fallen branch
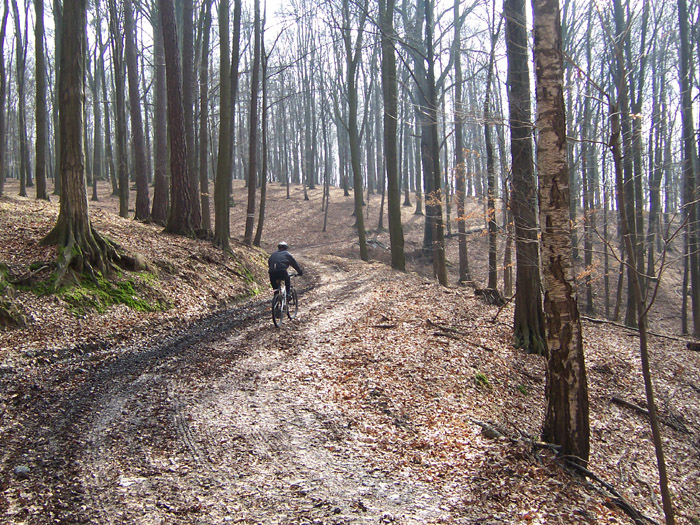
[(384, 326), (595, 320), (618, 499), (645, 412), (453, 333)]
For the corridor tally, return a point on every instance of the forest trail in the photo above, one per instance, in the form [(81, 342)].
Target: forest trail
[(232, 428), (367, 408)]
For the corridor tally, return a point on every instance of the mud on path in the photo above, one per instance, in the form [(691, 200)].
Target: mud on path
[(230, 421)]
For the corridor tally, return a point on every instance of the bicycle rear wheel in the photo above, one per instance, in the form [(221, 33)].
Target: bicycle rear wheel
[(277, 310), (292, 304)]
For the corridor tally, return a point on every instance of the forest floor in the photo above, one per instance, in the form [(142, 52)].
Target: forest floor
[(388, 399)]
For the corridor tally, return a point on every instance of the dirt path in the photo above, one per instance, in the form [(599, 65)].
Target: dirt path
[(232, 422)]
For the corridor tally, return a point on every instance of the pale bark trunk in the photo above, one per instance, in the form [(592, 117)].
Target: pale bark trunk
[(566, 421)]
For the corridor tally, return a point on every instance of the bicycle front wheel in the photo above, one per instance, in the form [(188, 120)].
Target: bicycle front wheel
[(292, 304), (277, 310)]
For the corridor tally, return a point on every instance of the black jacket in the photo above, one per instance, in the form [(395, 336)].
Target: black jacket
[(281, 260)]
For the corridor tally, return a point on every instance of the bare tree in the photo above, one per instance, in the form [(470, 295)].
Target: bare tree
[(528, 322), (566, 420), (142, 211), (180, 217)]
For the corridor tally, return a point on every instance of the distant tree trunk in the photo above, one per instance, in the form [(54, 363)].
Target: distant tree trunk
[(120, 109), (20, 67), (528, 322), (353, 55), (142, 211), (431, 152), (490, 169), (566, 421), (105, 105), (625, 220), (188, 87), (41, 127), (624, 106), (98, 153), (58, 34), (180, 218), (159, 211), (690, 167), (460, 165), (83, 249), (204, 117), (263, 132), (229, 84), (3, 95), (391, 108), (253, 134)]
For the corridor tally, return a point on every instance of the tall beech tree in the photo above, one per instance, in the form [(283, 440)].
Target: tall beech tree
[(566, 420), (528, 323), (691, 193), (180, 218), (142, 211), (159, 211), (353, 55), (3, 95), (40, 122), (253, 128), (391, 109), (117, 44), (204, 116), (83, 249)]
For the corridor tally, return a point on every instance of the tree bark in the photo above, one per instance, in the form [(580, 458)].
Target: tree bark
[(3, 96), (120, 109), (180, 217), (159, 211), (690, 167), (253, 129), (204, 118), (41, 127), (566, 420), (142, 211), (528, 322), (188, 86), (353, 54), (83, 249), (390, 93)]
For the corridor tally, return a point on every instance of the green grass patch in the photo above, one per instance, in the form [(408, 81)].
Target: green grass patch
[(522, 389), (481, 380), (99, 295)]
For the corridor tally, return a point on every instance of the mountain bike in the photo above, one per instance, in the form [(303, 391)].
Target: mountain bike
[(284, 303)]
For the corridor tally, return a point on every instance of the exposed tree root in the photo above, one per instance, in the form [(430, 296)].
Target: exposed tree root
[(84, 251)]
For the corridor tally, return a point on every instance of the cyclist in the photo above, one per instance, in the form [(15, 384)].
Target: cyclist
[(278, 264)]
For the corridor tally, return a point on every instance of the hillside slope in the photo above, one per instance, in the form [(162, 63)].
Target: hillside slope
[(376, 404)]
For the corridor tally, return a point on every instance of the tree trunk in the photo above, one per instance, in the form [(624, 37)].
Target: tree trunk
[(690, 167), (229, 85), (566, 421), (180, 218), (204, 117), (142, 211), (626, 219), (353, 54), (58, 34), (120, 110), (390, 92), (159, 211), (188, 87), (528, 322), (41, 127), (253, 130), (491, 176), (263, 132), (83, 249), (3, 95)]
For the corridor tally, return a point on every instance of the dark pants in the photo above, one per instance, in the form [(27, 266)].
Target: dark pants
[(282, 275)]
